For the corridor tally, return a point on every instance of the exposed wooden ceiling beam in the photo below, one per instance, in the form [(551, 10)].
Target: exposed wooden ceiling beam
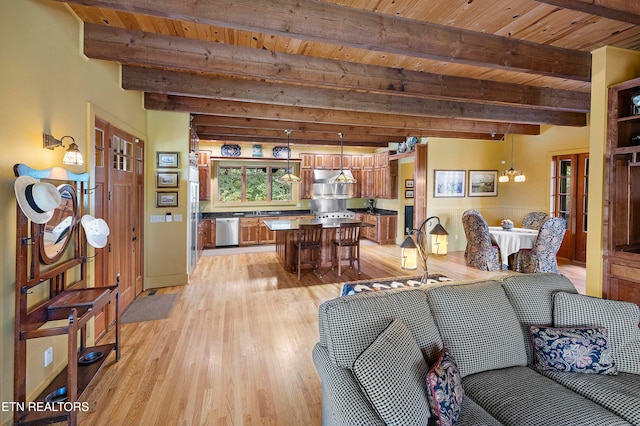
[(217, 87), (618, 10), (346, 26), (250, 110), (294, 141), (273, 133), (156, 50)]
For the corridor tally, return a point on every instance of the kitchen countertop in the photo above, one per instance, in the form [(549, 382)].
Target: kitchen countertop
[(292, 225), (276, 213)]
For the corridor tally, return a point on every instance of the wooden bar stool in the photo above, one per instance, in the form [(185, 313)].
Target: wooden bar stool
[(348, 235), (309, 238)]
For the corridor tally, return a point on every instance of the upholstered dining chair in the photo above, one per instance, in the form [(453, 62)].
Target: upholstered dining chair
[(347, 236), (309, 239), (534, 220), (542, 257), (481, 252)]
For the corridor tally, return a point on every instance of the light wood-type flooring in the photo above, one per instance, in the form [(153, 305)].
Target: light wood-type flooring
[(236, 349)]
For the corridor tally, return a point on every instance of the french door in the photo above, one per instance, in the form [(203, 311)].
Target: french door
[(570, 183), (119, 195)]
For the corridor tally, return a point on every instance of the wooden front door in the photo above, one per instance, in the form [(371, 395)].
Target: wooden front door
[(119, 196), (570, 178)]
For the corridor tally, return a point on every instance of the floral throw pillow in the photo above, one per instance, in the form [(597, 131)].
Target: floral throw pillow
[(445, 390), (577, 350)]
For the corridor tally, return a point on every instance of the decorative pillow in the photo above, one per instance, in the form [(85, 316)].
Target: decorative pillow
[(572, 350), (391, 373), (619, 318), (445, 390)]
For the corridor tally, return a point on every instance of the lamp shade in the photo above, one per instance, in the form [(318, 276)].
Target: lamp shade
[(409, 254), (73, 156), (439, 244)]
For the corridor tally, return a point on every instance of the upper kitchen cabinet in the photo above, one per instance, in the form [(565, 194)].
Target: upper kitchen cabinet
[(622, 194), (385, 176), (204, 175)]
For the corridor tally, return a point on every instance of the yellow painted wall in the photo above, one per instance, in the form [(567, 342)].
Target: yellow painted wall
[(166, 242), (47, 84)]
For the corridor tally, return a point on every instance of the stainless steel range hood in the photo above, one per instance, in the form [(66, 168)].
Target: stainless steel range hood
[(328, 195)]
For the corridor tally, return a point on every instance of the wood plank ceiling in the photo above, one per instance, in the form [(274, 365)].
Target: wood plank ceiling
[(376, 70)]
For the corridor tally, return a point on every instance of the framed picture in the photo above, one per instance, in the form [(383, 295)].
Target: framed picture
[(449, 183), (408, 183), (408, 193), (167, 179), (483, 183), (169, 160), (167, 199)]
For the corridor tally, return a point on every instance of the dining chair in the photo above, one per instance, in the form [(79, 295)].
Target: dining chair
[(481, 252), (542, 256), (534, 220), (309, 238), (347, 236)]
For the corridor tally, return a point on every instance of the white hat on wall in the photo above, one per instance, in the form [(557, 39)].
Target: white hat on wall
[(37, 200), (96, 231)]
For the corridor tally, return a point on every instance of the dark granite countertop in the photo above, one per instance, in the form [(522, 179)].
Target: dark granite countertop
[(276, 213)]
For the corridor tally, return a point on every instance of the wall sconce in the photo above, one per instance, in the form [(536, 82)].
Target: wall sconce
[(71, 157)]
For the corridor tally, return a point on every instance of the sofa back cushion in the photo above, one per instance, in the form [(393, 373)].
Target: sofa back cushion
[(350, 324), (531, 296), (619, 318), (392, 373), (478, 326)]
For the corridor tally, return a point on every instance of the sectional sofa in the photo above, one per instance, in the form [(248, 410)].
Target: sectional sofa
[(525, 349)]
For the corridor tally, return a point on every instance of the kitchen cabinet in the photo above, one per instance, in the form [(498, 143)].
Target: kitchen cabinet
[(204, 175), (249, 231), (266, 236), (621, 218), (208, 230), (324, 161), (307, 161), (383, 230), (385, 176)]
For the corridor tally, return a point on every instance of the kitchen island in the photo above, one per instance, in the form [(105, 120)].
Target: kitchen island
[(286, 233)]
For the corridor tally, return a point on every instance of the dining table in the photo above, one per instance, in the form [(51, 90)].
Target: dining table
[(512, 240)]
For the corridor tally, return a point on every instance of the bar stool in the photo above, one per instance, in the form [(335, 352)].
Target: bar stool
[(348, 235), (309, 238)]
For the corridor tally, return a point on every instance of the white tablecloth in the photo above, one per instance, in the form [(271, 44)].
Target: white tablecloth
[(512, 240)]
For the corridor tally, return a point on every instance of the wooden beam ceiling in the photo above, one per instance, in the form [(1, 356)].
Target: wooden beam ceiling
[(346, 26), (618, 10)]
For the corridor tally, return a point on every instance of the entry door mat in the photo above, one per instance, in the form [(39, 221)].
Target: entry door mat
[(404, 282), (149, 308)]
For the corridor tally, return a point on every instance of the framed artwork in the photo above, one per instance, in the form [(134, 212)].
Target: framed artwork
[(168, 160), (483, 183), (408, 193), (167, 199), (449, 183), (167, 179), (408, 183)]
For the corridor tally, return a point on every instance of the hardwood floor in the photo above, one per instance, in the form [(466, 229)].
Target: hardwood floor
[(236, 349)]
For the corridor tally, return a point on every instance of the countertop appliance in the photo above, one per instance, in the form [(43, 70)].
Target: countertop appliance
[(227, 231)]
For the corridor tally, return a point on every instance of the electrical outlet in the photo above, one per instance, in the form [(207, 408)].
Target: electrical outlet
[(48, 356), (177, 218)]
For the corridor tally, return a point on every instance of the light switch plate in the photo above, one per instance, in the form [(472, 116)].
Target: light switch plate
[(157, 218)]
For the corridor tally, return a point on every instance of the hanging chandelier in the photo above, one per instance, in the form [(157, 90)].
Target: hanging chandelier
[(511, 173), (288, 177), (344, 176)]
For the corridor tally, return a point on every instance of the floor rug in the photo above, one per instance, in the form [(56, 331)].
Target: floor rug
[(363, 286), (149, 308)]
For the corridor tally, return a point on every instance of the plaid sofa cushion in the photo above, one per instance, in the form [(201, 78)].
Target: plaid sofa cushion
[(531, 296), (619, 318), (392, 373), (478, 326), (521, 396), (350, 324), (619, 394)]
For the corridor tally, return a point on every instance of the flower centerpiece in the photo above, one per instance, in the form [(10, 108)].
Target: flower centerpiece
[(506, 224)]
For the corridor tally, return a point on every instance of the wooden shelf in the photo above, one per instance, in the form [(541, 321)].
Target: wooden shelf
[(407, 154), (86, 373)]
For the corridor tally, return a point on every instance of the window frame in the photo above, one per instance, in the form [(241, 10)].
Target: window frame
[(269, 166)]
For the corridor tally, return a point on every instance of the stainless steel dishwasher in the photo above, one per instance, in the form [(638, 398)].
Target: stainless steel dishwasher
[(227, 230)]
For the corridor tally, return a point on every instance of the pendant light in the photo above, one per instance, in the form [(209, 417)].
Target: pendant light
[(343, 177), (288, 177), (511, 173)]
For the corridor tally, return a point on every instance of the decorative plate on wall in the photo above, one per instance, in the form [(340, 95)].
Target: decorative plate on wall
[(230, 150), (280, 152)]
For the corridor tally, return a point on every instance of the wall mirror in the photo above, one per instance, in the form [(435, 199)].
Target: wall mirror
[(57, 233)]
